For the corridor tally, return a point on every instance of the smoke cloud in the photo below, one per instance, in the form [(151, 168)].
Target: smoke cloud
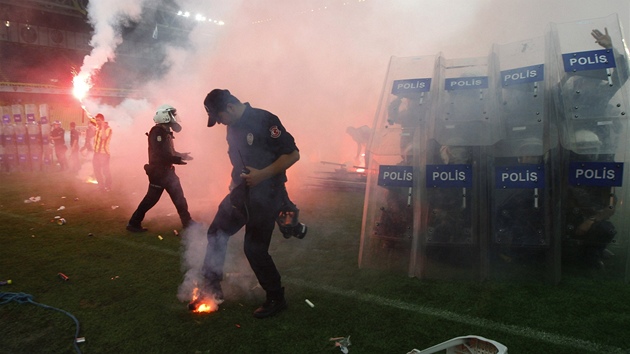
[(319, 65), (108, 18)]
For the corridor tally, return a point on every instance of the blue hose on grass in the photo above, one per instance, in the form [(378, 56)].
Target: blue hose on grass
[(22, 298)]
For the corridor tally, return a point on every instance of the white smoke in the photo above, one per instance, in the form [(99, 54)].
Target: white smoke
[(107, 19), (194, 244)]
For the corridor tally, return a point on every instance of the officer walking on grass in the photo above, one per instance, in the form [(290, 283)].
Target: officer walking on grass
[(260, 150), (57, 136), (160, 169)]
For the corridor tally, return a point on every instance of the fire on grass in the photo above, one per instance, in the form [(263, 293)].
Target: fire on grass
[(200, 304)]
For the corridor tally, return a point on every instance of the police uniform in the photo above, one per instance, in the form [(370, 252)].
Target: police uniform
[(74, 149), (588, 211), (409, 116), (57, 135), (161, 172), (257, 139)]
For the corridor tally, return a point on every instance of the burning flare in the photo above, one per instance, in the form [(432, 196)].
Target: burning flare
[(82, 83), (199, 304)]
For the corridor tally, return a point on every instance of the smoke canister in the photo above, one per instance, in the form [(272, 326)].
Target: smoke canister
[(8, 282), (63, 276)]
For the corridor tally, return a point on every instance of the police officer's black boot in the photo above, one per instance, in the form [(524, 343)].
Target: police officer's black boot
[(274, 304), (136, 227)]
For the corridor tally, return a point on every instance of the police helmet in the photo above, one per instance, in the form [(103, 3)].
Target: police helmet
[(587, 142), (165, 114)]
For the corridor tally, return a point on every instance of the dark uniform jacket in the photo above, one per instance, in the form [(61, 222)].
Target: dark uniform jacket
[(57, 135), (257, 140), (161, 151)]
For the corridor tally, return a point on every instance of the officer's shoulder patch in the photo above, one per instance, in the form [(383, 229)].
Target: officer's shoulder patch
[(275, 132)]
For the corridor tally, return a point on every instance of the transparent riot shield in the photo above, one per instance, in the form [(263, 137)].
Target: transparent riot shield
[(34, 137), (21, 138), (47, 150), (522, 244), (398, 133), (10, 148), (452, 241), (589, 73), (3, 167)]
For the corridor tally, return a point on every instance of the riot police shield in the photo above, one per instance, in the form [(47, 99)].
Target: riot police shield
[(467, 107), (589, 67), (521, 241), (2, 164), (398, 134), (44, 122), (21, 138), (34, 137), (10, 148), (465, 123)]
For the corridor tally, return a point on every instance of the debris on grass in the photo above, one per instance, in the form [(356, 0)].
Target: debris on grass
[(33, 199), (342, 342)]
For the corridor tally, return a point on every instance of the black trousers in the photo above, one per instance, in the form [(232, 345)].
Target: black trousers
[(159, 181), (263, 204), (60, 152)]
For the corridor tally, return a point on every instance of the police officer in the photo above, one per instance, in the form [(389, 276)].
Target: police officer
[(589, 208), (405, 110), (57, 136), (162, 156), (74, 147), (260, 150)]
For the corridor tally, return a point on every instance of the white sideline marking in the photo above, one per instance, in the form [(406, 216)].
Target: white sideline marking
[(582, 345)]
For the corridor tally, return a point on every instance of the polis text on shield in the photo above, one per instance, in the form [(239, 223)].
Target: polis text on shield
[(595, 59), (528, 74), (592, 173), (520, 176), (398, 176), (449, 175)]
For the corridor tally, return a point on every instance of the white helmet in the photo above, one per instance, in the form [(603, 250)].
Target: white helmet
[(587, 142), (165, 114)]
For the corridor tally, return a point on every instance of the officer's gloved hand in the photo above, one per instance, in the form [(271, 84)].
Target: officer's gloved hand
[(186, 156)]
